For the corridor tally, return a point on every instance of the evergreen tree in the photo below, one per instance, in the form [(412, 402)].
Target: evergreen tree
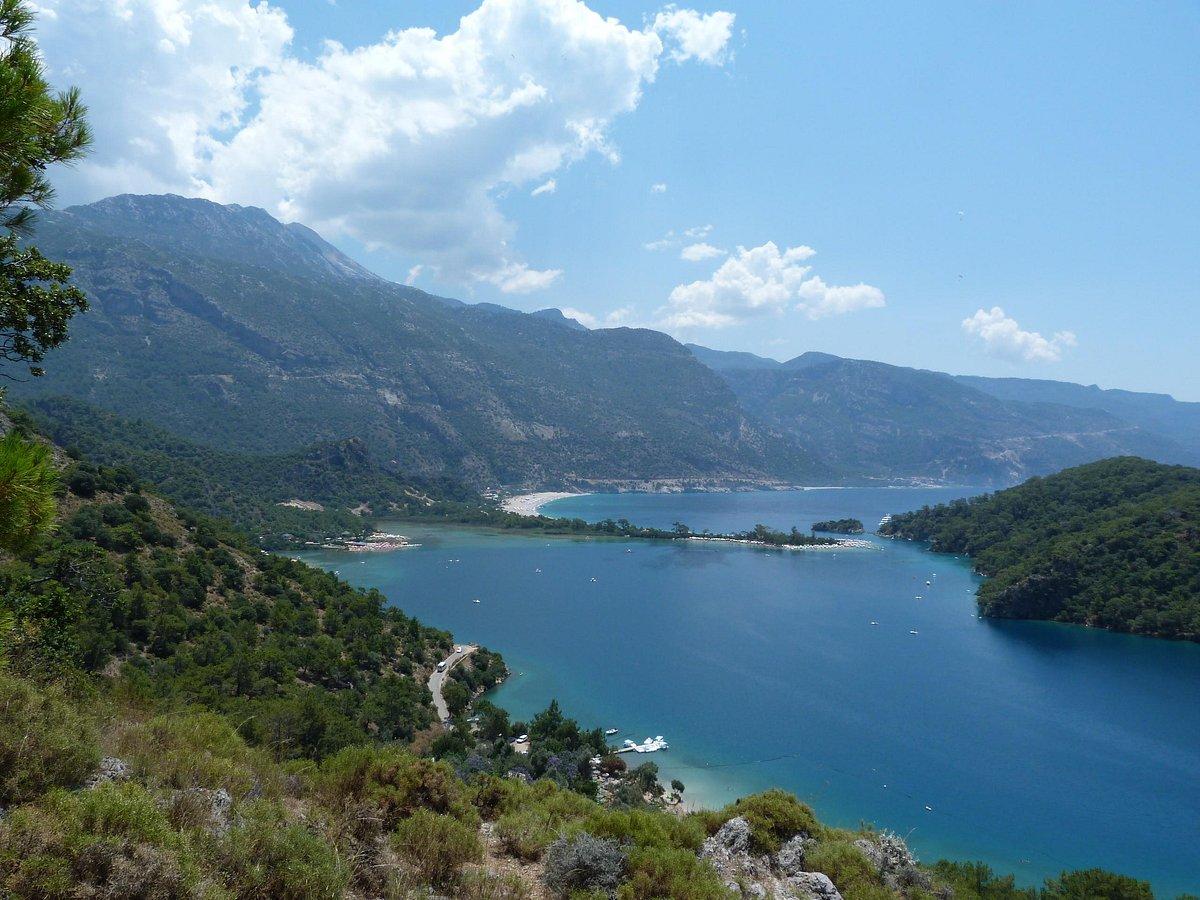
[(38, 127)]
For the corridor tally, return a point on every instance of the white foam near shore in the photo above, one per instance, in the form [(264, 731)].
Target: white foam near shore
[(531, 504)]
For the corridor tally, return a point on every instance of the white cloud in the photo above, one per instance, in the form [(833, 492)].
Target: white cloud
[(1002, 337), (700, 252), (548, 186), (518, 278), (403, 144), (413, 274), (702, 37), (700, 231), (659, 187), (621, 316), (763, 280)]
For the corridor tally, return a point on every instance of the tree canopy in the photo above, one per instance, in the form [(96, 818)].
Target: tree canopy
[(38, 128)]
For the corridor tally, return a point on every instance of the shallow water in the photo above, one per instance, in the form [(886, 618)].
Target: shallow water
[(1032, 746)]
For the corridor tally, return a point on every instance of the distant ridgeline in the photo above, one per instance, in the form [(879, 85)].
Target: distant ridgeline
[(1113, 544)]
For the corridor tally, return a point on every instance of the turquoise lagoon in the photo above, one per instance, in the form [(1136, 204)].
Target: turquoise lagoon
[(1032, 746)]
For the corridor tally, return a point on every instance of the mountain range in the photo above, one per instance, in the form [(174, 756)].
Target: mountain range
[(874, 420), (230, 329)]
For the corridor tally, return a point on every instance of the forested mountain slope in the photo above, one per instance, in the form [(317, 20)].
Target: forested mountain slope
[(1115, 544), (248, 489), (871, 419), (225, 327)]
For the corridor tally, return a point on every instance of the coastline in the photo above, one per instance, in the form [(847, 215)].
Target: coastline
[(531, 504)]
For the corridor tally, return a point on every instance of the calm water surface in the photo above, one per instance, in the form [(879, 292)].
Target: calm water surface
[(1034, 747)]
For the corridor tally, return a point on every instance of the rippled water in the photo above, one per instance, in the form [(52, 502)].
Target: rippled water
[(1032, 746)]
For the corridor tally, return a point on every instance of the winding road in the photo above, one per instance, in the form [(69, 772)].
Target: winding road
[(437, 679)]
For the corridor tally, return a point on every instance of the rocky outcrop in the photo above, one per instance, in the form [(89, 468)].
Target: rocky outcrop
[(111, 769), (780, 876), (894, 862)]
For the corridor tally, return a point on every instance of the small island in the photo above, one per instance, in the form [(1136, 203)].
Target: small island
[(839, 526)]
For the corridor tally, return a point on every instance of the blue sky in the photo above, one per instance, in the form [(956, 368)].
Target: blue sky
[(953, 157)]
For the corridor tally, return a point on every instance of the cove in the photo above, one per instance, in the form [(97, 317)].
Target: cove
[(1032, 746)]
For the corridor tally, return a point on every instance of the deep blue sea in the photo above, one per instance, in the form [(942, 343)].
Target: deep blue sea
[(1034, 747)]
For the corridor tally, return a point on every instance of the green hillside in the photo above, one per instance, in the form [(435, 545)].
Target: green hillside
[(298, 351), (249, 488), (1113, 544)]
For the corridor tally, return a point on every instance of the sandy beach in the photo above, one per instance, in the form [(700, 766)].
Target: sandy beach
[(530, 504)]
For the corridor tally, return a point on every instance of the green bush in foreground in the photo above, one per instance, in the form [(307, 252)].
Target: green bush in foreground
[(113, 841), (44, 742), (268, 856), (436, 846)]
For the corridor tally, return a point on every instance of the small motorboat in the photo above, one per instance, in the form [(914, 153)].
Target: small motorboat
[(476, 600), (612, 730), (914, 631)]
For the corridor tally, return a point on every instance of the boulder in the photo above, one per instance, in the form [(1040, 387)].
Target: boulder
[(790, 858), (815, 885), (734, 835), (111, 769)]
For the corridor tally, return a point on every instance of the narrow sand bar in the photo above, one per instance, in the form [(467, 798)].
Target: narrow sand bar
[(530, 504)]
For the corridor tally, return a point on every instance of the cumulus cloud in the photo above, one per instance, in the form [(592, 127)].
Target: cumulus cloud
[(763, 280), (700, 252), (620, 316), (548, 186), (404, 143), (1003, 337), (692, 35), (518, 278), (700, 231), (659, 187)]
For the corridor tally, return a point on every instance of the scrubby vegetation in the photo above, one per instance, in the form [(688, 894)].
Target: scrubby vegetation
[(1113, 544), (839, 526)]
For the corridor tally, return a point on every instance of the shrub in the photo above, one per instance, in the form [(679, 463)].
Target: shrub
[(44, 742), (267, 856), (847, 867), (1088, 884), (196, 749), (492, 795), (613, 765), (436, 846), (774, 817), (583, 863), (646, 828), (112, 841), (678, 874), (394, 785), (487, 886), (977, 881), (542, 815)]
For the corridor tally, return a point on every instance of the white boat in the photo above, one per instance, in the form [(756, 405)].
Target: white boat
[(476, 600), (612, 730), (914, 631), (874, 623)]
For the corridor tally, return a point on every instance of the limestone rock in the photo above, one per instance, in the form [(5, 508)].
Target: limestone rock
[(816, 885), (111, 769)]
